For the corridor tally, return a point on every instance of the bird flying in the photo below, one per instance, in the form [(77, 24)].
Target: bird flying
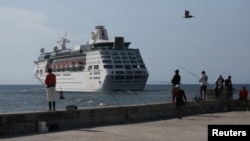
[(187, 14)]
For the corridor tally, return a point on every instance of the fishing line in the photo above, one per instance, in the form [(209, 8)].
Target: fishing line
[(148, 105), (201, 107), (126, 110), (116, 100), (188, 71), (141, 99), (160, 81), (196, 76)]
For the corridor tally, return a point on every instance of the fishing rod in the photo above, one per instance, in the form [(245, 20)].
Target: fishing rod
[(160, 81), (198, 78), (116, 100), (202, 108), (148, 105), (142, 99), (188, 71)]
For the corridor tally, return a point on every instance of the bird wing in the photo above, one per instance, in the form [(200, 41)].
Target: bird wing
[(186, 13)]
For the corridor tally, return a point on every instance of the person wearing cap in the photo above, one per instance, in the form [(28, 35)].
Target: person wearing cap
[(179, 98), (203, 88), (50, 82), (176, 80)]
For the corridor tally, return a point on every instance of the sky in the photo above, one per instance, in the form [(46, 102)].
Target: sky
[(216, 40)]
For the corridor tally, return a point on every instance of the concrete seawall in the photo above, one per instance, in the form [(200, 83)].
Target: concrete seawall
[(22, 123)]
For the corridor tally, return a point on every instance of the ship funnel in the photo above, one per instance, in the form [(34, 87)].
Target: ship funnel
[(100, 33)]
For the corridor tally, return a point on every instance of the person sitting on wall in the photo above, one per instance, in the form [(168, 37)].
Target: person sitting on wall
[(243, 94)]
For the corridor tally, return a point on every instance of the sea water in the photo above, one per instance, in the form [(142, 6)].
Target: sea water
[(30, 98)]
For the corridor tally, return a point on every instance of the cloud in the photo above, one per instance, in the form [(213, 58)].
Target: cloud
[(23, 33), (28, 28), (21, 26), (20, 15)]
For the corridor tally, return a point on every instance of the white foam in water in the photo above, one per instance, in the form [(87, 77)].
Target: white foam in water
[(102, 104), (91, 101)]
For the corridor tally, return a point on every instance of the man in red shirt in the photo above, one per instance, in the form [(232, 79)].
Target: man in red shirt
[(243, 94), (50, 82)]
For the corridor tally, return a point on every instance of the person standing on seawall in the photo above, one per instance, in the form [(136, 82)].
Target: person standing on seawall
[(203, 88), (229, 87), (219, 85), (50, 82), (176, 80), (179, 98)]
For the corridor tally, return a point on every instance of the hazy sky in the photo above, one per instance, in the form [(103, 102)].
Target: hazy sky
[(217, 40)]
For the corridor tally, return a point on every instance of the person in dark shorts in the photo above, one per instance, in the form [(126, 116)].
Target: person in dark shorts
[(179, 98), (229, 87), (203, 88)]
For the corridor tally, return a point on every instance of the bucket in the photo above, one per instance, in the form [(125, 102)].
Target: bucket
[(42, 128)]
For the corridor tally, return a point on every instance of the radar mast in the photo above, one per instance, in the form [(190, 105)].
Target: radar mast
[(63, 41)]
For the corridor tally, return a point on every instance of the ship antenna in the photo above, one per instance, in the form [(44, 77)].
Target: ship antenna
[(63, 41)]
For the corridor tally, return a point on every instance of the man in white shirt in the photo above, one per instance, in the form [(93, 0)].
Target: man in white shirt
[(203, 88)]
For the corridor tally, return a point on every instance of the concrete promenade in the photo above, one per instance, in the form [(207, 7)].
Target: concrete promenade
[(189, 128)]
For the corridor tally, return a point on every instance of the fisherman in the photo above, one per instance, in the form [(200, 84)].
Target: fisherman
[(179, 98), (203, 88), (219, 85), (176, 80), (229, 87), (50, 82)]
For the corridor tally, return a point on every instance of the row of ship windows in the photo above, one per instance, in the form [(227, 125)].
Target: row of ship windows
[(72, 69), (121, 53), (129, 77), (95, 67), (121, 72), (123, 57), (120, 75), (127, 67), (122, 61), (128, 72)]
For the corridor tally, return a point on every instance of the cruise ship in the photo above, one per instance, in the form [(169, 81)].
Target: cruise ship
[(99, 65)]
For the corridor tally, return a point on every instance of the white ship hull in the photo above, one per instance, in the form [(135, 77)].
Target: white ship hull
[(76, 83), (94, 67)]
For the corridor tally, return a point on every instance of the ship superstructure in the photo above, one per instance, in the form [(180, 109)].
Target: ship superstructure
[(99, 65)]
